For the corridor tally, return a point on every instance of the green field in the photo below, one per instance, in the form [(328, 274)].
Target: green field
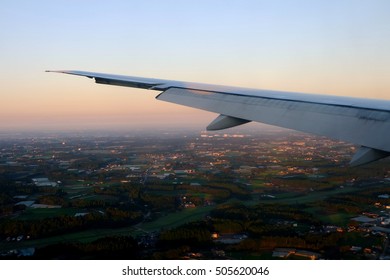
[(176, 219), (167, 221), (338, 219), (82, 236), (297, 198)]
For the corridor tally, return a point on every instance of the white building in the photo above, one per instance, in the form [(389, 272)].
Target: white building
[(44, 182)]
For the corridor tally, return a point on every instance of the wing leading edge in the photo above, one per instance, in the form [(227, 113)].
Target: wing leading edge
[(365, 122)]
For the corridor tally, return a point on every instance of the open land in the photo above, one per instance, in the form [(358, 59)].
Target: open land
[(243, 195)]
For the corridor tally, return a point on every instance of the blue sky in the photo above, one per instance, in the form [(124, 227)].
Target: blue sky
[(335, 47)]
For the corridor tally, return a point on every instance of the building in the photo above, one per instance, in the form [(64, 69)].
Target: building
[(44, 182)]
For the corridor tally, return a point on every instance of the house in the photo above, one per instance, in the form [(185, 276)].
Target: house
[(44, 182), (27, 203)]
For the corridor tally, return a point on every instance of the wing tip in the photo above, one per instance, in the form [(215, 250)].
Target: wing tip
[(73, 72), (59, 71)]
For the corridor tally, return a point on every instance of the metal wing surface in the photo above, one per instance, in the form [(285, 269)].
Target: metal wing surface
[(365, 122)]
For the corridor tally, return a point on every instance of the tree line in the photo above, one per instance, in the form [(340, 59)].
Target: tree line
[(111, 218)]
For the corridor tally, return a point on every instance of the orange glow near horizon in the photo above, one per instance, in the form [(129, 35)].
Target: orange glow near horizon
[(324, 47)]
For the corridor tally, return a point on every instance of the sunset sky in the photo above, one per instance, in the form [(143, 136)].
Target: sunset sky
[(333, 47)]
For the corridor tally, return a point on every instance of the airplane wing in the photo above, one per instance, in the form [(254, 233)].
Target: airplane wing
[(365, 122)]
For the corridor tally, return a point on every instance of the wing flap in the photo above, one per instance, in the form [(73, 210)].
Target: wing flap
[(134, 84)]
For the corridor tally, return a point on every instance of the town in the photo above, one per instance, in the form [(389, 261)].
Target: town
[(271, 194)]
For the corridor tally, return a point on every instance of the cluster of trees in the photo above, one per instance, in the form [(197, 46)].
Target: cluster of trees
[(308, 242), (114, 247), (88, 203), (122, 191), (6, 204), (220, 191), (172, 253), (51, 200), (159, 202), (196, 234), (8, 189), (337, 205), (258, 222), (262, 213), (175, 243), (354, 203), (112, 217)]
